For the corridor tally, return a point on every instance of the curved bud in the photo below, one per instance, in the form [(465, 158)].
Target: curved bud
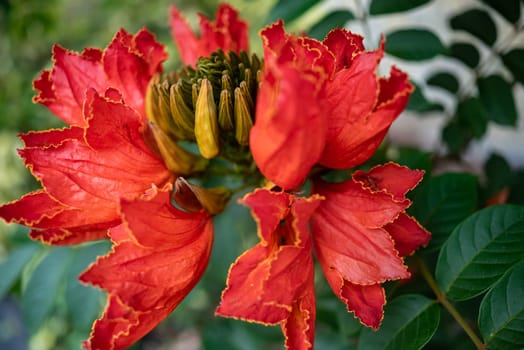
[(243, 121), (206, 122), (181, 113), (247, 95), (227, 84), (178, 160), (225, 111), (195, 198)]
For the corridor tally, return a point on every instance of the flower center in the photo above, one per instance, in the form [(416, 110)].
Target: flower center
[(210, 108)]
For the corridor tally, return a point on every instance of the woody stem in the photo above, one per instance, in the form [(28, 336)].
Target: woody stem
[(441, 298)]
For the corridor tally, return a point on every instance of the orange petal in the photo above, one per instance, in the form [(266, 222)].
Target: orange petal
[(407, 234), (390, 178), (53, 137), (351, 97), (299, 327), (365, 301), (348, 234), (31, 208), (91, 178), (128, 64), (63, 88), (344, 45), (273, 281), (286, 147), (130, 61), (146, 274), (53, 222), (227, 32)]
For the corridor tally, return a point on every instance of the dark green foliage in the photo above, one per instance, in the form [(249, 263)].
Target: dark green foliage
[(444, 80), (510, 9), (289, 10), (409, 323), (419, 103), (443, 202), (466, 53), (501, 317), (414, 44), (476, 22), (514, 61), (380, 7), (329, 22), (480, 250), (496, 95)]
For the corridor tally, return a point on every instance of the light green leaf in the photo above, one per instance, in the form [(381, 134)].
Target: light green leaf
[(478, 23), (496, 95), (443, 202), (414, 44), (480, 250), (409, 323), (40, 293), (501, 315), (333, 20), (380, 7), (444, 80), (12, 266)]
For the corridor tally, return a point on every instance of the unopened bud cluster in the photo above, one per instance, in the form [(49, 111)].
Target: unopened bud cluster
[(212, 105)]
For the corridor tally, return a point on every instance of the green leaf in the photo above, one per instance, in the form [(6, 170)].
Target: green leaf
[(443, 202), (501, 314), (516, 193), (480, 250), (466, 53), (419, 103), (83, 302), (514, 61), (496, 95), (414, 44), (498, 174), (454, 137), (289, 10), (12, 266), (472, 116), (509, 9), (333, 20), (409, 323), (40, 293), (444, 80), (413, 158), (478, 23), (380, 7)]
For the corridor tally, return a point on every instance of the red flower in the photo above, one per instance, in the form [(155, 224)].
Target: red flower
[(112, 173), (360, 230), (348, 110), (159, 255), (227, 32), (272, 283)]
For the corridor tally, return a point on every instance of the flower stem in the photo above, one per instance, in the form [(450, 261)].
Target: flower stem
[(441, 298)]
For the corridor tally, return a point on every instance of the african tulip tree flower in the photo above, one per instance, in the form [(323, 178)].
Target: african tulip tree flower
[(307, 108)]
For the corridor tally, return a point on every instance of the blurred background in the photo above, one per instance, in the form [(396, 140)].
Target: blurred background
[(466, 59)]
